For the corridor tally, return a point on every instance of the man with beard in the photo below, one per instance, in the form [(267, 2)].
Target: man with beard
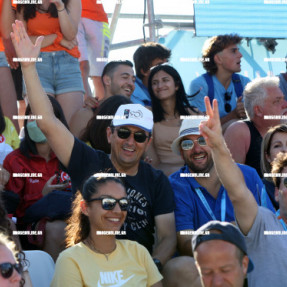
[(199, 195), (118, 79)]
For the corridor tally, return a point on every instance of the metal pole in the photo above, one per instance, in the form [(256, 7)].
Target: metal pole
[(151, 20), (115, 19)]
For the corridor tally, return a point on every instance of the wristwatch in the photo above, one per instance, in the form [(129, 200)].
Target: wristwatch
[(158, 264)]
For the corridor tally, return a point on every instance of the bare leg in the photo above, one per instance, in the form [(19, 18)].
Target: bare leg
[(8, 97), (55, 238), (70, 103), (85, 69), (99, 88), (80, 120), (181, 272)]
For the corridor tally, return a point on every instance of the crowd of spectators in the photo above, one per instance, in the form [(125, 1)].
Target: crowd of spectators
[(144, 183)]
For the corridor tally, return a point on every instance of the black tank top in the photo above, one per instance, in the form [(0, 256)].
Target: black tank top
[(254, 152)]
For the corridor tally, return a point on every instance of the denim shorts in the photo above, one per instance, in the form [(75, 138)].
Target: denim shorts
[(3, 60), (59, 73)]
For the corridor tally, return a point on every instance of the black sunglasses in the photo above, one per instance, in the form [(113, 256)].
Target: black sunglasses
[(285, 181), (189, 144), (227, 98), (6, 269), (124, 133), (109, 203)]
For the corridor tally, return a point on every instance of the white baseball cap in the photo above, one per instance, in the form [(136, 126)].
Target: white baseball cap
[(133, 115)]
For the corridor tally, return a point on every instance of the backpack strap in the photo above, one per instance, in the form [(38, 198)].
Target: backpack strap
[(210, 85), (237, 85), (236, 82)]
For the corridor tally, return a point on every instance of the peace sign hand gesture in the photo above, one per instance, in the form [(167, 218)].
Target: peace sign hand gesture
[(211, 129)]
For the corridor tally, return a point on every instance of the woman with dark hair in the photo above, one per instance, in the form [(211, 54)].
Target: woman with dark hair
[(95, 132), (58, 66), (36, 175), (9, 139), (274, 142), (95, 257), (169, 103)]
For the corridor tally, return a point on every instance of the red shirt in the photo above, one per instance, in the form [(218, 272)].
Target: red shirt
[(94, 11), (30, 188)]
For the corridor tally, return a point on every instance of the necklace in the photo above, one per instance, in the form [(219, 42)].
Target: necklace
[(89, 242)]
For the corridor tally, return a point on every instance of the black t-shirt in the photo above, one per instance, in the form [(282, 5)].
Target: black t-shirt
[(149, 191)]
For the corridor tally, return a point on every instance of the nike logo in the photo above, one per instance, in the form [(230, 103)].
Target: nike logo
[(119, 284)]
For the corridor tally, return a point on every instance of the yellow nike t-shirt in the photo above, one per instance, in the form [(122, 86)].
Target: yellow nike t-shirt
[(128, 266)]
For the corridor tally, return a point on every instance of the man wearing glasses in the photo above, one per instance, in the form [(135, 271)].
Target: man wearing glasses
[(265, 232), (149, 192), (221, 59), (199, 194)]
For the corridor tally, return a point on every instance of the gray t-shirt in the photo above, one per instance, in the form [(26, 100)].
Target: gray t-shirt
[(268, 252)]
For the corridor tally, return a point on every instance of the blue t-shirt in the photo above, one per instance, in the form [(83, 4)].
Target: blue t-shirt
[(141, 94), (199, 84), (190, 212), (149, 191)]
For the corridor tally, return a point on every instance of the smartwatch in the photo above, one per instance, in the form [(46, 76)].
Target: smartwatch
[(158, 264)]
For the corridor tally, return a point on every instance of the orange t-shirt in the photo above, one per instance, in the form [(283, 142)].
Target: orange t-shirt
[(1, 42), (1, 45), (44, 24), (94, 11)]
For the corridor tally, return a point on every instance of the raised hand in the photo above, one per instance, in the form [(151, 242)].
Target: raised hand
[(211, 129), (24, 48)]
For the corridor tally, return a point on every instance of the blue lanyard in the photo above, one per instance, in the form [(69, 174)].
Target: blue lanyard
[(207, 207), (281, 220)]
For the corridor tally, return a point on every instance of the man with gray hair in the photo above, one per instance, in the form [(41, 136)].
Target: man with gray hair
[(265, 105)]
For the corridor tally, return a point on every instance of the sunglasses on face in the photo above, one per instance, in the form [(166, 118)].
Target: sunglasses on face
[(6, 269), (109, 203), (124, 133), (227, 98), (189, 144)]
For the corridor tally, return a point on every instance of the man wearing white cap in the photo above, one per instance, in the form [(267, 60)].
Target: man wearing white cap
[(149, 192)]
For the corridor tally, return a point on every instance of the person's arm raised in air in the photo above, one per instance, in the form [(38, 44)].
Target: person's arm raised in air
[(59, 137), (244, 204)]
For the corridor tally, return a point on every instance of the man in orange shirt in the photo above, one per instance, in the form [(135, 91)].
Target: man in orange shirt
[(94, 40)]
